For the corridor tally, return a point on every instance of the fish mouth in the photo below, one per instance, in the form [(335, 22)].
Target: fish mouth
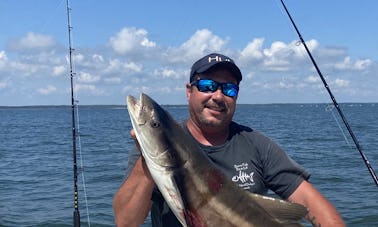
[(137, 106), (132, 103), (135, 109)]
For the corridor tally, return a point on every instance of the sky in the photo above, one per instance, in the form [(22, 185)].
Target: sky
[(124, 47)]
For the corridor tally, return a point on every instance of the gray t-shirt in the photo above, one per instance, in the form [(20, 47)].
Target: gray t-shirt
[(250, 159)]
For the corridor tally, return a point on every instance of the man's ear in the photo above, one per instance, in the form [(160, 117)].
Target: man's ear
[(188, 91)]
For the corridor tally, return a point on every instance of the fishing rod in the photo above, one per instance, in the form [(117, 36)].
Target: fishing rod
[(76, 212), (367, 163)]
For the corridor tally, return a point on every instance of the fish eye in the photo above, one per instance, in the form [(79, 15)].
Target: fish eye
[(154, 124)]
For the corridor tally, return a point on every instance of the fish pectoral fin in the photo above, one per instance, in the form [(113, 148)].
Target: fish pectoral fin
[(287, 213)]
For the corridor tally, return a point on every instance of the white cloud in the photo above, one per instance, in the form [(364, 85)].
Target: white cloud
[(3, 60), (277, 48), (164, 89), (85, 77), (280, 56), (113, 80), (132, 66), (262, 64), (200, 43), (32, 41), (348, 64), (119, 66), (113, 65), (299, 49), (342, 83), (313, 79), (3, 56), (253, 50), (249, 75), (88, 88), (167, 73), (130, 39), (3, 85), (59, 70), (47, 90), (136, 89), (128, 89), (362, 64), (98, 58), (283, 84)]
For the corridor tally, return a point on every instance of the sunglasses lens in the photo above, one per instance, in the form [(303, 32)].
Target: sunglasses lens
[(207, 85), (228, 89)]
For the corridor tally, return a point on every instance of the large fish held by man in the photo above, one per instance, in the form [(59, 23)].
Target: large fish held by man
[(196, 191)]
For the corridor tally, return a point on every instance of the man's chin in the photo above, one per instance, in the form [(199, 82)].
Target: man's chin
[(213, 121)]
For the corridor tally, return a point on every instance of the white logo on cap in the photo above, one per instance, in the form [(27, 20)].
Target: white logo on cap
[(217, 58)]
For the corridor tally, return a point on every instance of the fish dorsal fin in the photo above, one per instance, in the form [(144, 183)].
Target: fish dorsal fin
[(287, 213)]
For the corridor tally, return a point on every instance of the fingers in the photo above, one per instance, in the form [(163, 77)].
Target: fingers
[(143, 163), (133, 135)]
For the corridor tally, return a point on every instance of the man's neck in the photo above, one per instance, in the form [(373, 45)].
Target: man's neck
[(209, 136)]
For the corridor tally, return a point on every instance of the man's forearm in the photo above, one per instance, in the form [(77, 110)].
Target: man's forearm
[(132, 201)]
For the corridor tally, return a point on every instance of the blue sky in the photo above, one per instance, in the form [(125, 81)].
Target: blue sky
[(127, 47)]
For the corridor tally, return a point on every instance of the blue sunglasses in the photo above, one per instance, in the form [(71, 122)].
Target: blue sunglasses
[(205, 85)]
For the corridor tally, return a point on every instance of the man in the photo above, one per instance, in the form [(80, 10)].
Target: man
[(212, 92)]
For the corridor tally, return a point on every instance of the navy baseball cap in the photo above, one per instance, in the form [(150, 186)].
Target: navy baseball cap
[(211, 60)]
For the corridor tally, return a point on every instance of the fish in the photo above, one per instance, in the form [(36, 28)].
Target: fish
[(196, 191)]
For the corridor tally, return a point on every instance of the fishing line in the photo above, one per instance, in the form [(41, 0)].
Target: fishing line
[(81, 162), (330, 108), (80, 148), (367, 163)]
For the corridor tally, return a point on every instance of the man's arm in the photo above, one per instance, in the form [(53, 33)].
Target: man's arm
[(321, 211), (132, 201)]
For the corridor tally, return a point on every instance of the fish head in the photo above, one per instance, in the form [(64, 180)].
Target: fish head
[(151, 124)]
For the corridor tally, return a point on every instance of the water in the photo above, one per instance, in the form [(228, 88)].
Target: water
[(36, 180)]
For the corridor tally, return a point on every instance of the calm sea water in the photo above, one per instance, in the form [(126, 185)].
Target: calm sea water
[(36, 180)]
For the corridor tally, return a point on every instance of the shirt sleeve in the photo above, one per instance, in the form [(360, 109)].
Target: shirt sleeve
[(281, 173)]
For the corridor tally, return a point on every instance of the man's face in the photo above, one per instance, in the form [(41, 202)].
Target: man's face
[(212, 109)]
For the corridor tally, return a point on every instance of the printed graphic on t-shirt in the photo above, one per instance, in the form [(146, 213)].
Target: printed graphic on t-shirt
[(243, 177)]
